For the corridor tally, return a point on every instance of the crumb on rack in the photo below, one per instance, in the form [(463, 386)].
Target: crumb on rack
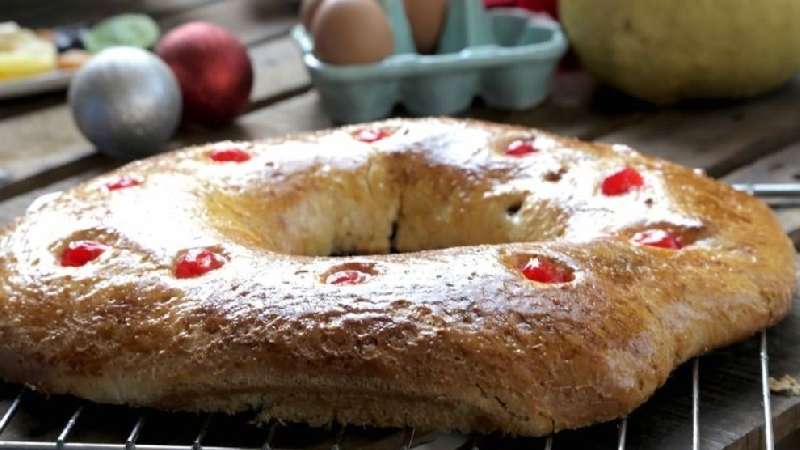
[(787, 384)]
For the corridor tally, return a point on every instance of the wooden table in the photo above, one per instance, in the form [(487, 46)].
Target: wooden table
[(754, 141)]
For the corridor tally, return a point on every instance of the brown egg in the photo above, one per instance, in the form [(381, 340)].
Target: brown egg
[(351, 32), (426, 18), (308, 9)]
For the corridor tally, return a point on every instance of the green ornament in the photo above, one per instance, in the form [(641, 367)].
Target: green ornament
[(134, 30)]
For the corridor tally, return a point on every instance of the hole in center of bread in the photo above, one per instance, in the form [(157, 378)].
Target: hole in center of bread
[(379, 209)]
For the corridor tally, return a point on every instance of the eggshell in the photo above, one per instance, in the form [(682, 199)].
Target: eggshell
[(426, 18), (308, 10), (351, 32)]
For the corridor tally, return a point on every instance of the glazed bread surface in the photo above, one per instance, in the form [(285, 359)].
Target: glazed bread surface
[(442, 328)]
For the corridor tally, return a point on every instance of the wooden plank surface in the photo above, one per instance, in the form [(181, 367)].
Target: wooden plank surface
[(25, 149), (571, 99), (577, 106), (42, 13), (252, 21), (719, 137), (780, 167)]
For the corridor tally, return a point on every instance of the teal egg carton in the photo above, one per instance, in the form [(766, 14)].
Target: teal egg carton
[(507, 56)]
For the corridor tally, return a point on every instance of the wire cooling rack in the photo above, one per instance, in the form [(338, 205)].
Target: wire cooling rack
[(31, 421)]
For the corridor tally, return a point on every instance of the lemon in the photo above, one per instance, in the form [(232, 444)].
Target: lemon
[(669, 50)]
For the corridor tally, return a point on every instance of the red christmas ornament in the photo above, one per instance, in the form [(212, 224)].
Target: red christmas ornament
[(213, 69)]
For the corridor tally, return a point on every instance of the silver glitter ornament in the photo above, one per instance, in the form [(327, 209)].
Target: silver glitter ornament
[(126, 101)]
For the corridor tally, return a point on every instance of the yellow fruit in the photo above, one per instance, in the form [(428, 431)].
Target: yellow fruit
[(669, 50), (23, 54)]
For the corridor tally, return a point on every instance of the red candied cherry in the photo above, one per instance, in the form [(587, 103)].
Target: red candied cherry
[(520, 147), (658, 238), (622, 182), (123, 182), (545, 271), (346, 277), (196, 262), (78, 253), (229, 154), (370, 135)]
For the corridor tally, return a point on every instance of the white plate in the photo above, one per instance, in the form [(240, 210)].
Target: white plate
[(46, 82)]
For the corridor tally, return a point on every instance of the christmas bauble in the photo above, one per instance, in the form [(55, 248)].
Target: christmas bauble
[(126, 101), (213, 70)]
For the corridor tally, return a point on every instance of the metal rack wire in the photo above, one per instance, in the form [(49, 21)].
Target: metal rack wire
[(397, 439)]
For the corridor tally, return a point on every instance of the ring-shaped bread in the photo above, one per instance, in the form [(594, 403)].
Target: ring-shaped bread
[(434, 273)]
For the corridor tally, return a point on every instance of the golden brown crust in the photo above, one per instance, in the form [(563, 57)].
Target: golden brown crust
[(452, 339)]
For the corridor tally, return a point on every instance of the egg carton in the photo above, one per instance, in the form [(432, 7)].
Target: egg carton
[(507, 56)]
